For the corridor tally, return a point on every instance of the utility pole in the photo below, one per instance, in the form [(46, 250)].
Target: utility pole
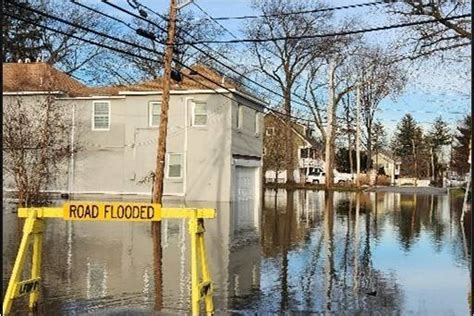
[(161, 152), (329, 163), (358, 136), (414, 159)]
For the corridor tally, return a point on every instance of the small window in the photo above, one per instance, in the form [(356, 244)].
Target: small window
[(240, 116), (154, 114), (101, 115), (270, 131), (264, 152), (175, 164), (200, 114), (257, 123), (304, 152)]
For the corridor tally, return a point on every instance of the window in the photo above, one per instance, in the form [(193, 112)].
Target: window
[(175, 164), (264, 152), (270, 131), (257, 123), (304, 152), (240, 116), (199, 114), (154, 114), (101, 115)]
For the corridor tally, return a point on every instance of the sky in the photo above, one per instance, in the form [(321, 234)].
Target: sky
[(436, 87)]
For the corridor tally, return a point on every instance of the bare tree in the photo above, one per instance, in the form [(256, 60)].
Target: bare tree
[(323, 103), (434, 38), (283, 61), (380, 77), (35, 144)]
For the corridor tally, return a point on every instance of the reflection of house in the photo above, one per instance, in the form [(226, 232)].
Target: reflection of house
[(391, 167), (306, 150), (214, 141)]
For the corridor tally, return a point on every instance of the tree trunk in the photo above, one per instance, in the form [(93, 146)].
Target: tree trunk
[(289, 138), (369, 164), (329, 163)]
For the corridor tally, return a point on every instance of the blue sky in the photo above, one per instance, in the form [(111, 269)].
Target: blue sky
[(437, 87)]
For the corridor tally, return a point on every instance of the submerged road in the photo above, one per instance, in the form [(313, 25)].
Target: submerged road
[(412, 190)]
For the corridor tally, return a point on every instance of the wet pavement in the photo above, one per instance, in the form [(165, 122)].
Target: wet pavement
[(297, 252)]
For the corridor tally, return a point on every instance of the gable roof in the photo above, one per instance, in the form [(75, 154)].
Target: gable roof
[(296, 128), (20, 77), (42, 77)]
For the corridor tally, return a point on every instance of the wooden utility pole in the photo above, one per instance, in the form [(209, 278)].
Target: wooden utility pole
[(358, 136), (414, 158), (329, 163), (161, 153)]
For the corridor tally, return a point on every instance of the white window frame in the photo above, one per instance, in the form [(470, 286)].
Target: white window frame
[(270, 129), (93, 116), (240, 116), (168, 165), (257, 123), (194, 113), (150, 113), (264, 151)]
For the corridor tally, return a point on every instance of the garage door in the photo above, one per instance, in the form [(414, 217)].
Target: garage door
[(244, 198)]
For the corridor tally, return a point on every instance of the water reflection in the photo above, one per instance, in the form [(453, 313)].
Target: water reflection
[(301, 251)]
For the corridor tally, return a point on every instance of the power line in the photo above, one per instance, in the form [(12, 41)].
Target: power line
[(199, 49), (351, 6), (299, 37), (211, 18), (104, 14), (140, 56)]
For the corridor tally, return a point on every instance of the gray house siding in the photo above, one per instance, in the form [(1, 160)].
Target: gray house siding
[(117, 160)]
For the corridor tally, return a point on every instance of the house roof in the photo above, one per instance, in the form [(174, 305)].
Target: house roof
[(19, 77), (296, 128)]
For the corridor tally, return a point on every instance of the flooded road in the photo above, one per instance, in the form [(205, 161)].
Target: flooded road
[(300, 251)]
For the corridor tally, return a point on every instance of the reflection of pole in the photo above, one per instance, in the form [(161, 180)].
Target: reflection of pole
[(358, 136), (468, 186), (161, 152), (356, 249), (328, 242)]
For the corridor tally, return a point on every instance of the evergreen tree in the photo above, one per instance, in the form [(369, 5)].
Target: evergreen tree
[(460, 154), (409, 146), (21, 39), (438, 136), (379, 138)]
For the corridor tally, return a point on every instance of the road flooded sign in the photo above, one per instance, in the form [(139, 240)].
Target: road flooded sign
[(112, 211)]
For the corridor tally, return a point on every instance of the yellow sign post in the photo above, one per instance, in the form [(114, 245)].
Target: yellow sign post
[(108, 211)]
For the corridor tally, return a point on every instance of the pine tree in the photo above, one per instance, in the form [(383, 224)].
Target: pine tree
[(460, 155), (438, 136), (409, 146), (21, 39)]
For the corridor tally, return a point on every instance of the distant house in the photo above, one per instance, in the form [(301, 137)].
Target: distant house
[(382, 160), (214, 143), (306, 151)]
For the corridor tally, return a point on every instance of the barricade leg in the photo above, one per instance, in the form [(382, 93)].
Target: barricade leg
[(194, 267), (36, 267), (200, 278), (206, 286), (33, 228)]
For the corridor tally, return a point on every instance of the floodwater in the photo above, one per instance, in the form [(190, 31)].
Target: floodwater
[(294, 252)]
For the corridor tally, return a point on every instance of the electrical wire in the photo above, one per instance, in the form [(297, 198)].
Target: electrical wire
[(202, 51), (351, 6), (139, 56), (300, 37)]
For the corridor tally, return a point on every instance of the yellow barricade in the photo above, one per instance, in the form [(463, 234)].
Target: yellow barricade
[(201, 284)]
